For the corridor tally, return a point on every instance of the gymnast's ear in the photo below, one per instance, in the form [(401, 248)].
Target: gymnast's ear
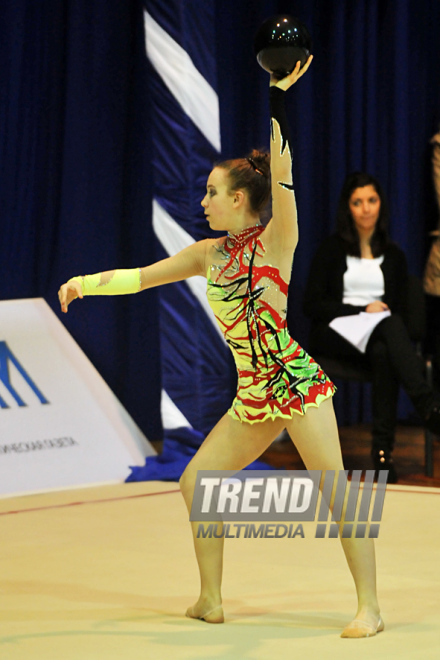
[(238, 198)]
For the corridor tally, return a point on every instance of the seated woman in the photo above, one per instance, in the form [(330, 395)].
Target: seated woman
[(357, 270)]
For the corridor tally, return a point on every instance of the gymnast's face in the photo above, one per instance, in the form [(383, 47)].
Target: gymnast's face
[(364, 205), (218, 202)]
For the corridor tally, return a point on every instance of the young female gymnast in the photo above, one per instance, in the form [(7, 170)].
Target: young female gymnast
[(279, 385)]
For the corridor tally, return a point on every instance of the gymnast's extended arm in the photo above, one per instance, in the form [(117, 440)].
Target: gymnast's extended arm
[(184, 264)]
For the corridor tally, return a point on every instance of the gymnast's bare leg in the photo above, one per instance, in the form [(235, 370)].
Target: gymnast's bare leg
[(231, 445), (316, 437)]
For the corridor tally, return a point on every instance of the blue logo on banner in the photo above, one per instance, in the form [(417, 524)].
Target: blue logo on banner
[(6, 357)]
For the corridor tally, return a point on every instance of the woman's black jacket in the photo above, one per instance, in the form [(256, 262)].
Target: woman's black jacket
[(324, 290)]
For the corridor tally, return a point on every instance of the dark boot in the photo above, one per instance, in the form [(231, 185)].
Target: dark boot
[(382, 461), (385, 393), (432, 416)]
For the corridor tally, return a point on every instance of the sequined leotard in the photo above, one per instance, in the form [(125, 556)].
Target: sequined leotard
[(276, 377), (248, 296)]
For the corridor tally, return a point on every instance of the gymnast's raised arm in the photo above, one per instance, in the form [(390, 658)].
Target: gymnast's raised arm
[(282, 232), (184, 264)]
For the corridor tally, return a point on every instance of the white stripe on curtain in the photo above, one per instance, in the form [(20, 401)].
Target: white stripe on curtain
[(185, 82), (172, 418), (174, 239)]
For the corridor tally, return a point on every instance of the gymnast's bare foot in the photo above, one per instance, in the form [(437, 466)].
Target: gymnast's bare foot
[(366, 624), (207, 611)]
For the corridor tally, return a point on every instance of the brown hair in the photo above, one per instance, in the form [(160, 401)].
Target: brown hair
[(251, 174)]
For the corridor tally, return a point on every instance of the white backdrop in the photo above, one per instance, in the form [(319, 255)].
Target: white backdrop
[(82, 435)]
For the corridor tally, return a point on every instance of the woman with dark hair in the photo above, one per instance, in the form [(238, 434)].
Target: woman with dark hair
[(359, 270), (279, 385), (347, 226)]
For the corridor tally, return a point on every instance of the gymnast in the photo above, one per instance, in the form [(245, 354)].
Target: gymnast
[(279, 385)]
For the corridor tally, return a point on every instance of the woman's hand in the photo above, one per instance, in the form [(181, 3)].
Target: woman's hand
[(68, 292), (377, 306), (291, 79)]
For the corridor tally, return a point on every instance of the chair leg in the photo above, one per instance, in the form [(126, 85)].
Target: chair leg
[(429, 467)]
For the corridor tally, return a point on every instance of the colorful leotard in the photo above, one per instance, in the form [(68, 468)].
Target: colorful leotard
[(276, 377)]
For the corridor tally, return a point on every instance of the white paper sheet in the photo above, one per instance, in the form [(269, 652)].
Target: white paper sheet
[(357, 328)]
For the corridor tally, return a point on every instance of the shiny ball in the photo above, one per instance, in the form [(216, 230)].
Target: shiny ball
[(280, 42)]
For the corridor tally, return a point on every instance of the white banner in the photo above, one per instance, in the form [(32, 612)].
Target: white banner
[(60, 424)]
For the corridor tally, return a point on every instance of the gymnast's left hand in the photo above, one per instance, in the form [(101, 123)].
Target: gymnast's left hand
[(291, 79)]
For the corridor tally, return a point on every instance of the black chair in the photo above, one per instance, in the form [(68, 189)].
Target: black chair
[(350, 371)]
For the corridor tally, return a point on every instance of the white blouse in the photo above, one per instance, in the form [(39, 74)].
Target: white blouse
[(363, 281)]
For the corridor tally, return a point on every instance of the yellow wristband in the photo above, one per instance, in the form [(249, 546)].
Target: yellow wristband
[(117, 282)]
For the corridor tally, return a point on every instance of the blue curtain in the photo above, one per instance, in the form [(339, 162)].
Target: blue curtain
[(77, 179), (196, 362), (370, 101)]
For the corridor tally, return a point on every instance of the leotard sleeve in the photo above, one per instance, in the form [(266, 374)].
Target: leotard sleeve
[(284, 230), (278, 112), (110, 283)]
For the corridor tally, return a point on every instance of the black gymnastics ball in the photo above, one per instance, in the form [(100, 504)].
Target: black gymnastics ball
[(280, 42)]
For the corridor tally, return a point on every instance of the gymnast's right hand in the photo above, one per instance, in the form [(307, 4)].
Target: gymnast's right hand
[(68, 292)]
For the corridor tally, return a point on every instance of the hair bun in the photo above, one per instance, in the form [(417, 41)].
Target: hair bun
[(261, 160)]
